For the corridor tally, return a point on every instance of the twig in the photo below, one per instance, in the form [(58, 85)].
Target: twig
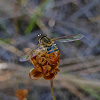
[(52, 91)]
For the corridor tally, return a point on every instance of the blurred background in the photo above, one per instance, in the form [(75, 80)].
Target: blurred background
[(20, 23)]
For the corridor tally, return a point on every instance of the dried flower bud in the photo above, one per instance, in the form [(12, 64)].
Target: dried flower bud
[(46, 65)]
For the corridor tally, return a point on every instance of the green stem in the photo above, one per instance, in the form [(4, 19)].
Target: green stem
[(52, 91)]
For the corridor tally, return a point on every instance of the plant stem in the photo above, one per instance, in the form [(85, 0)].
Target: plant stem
[(52, 91)]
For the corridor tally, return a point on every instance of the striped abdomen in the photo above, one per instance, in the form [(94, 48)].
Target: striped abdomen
[(52, 48)]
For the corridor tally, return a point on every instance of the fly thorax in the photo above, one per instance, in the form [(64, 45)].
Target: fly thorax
[(44, 40)]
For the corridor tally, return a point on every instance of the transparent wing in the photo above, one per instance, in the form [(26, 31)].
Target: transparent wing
[(69, 38), (30, 53)]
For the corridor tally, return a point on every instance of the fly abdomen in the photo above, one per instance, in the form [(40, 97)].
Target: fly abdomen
[(52, 48)]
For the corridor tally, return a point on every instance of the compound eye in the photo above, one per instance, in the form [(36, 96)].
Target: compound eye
[(39, 37)]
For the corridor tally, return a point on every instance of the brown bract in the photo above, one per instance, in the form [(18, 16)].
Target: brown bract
[(46, 65), (22, 94)]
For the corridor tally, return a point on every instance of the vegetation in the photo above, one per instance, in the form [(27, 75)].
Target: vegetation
[(20, 23)]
